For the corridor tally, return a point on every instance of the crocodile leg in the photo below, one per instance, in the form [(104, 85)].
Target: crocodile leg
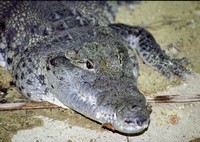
[(150, 52)]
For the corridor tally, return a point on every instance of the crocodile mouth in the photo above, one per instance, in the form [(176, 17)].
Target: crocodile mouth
[(128, 127), (131, 126)]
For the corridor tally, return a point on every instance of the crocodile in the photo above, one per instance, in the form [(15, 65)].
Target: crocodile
[(74, 55)]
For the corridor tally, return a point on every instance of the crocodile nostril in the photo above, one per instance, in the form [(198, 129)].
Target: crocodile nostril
[(140, 121), (128, 121)]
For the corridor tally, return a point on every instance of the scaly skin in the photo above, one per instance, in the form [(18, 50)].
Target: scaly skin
[(69, 54)]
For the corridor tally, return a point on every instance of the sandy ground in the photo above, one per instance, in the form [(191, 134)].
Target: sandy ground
[(176, 27)]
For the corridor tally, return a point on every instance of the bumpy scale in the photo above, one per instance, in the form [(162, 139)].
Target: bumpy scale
[(69, 54)]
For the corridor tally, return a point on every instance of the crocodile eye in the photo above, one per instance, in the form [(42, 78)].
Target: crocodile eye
[(89, 65)]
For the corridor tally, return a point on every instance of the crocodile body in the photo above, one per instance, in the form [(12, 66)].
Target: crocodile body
[(69, 54)]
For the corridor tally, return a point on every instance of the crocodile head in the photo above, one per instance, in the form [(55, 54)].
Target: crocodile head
[(98, 80)]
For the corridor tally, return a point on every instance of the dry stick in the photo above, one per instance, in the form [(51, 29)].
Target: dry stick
[(161, 23), (174, 99), (46, 105), (26, 106)]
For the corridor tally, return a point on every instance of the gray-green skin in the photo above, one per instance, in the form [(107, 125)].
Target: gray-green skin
[(69, 54)]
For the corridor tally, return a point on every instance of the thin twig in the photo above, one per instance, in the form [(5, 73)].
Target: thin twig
[(127, 139), (46, 105), (161, 23), (26, 106), (174, 99)]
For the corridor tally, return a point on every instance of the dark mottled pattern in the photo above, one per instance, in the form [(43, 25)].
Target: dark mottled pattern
[(69, 54)]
